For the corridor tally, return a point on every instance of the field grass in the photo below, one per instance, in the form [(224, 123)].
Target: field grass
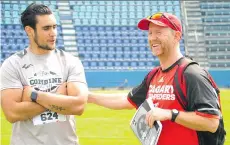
[(101, 126)]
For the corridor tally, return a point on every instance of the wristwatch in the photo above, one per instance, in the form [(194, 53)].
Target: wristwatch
[(34, 96), (174, 114)]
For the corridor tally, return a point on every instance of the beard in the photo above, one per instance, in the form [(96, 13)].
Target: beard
[(42, 46)]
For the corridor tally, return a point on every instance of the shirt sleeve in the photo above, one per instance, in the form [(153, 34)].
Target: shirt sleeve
[(138, 94), (9, 76), (202, 97), (76, 71)]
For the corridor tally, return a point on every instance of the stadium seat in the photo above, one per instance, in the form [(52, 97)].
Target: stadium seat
[(169, 9), (135, 48), (85, 21), (133, 64), (109, 22), (132, 22), (149, 56), (142, 56), (111, 56), (144, 3), (19, 41), (80, 41), (176, 3), (119, 56), (26, 41), (7, 7), (132, 8), (117, 34), (132, 2), (11, 41), (125, 64), (4, 47), (118, 41), (7, 14), (111, 49), (124, 22), (101, 65), (103, 56), (95, 57), (116, 22), (116, 2), (109, 8), (126, 41), (140, 15), (103, 49), (117, 65), (9, 27), (81, 49), (119, 49), (93, 65), (109, 15), (127, 56), (109, 65), (77, 22), (134, 57), (87, 56), (162, 8), (132, 15), (161, 3)]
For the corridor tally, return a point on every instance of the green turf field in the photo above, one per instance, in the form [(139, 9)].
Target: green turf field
[(101, 126)]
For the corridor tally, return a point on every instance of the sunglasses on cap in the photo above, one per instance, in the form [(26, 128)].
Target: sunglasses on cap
[(161, 15)]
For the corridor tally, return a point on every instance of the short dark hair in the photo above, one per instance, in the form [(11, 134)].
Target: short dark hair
[(28, 17)]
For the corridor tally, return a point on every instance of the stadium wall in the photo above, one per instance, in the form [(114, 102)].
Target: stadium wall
[(113, 79)]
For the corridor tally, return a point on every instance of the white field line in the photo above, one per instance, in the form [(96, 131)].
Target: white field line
[(102, 137)]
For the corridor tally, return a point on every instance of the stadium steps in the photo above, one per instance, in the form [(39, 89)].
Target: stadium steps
[(67, 27), (217, 32), (193, 32)]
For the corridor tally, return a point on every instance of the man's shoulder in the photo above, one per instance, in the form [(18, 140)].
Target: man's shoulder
[(193, 69), (195, 72), (16, 57), (21, 53), (63, 53)]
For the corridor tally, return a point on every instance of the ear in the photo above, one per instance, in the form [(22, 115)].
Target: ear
[(29, 30), (178, 35)]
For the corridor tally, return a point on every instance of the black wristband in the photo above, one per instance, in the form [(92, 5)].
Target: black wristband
[(174, 114), (34, 96)]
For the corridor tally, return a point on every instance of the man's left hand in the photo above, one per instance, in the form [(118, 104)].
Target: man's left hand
[(157, 114), (27, 90)]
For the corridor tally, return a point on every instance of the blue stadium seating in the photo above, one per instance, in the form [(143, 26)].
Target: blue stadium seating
[(106, 31), (217, 32)]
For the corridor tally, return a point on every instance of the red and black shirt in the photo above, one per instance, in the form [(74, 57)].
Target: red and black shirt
[(201, 98)]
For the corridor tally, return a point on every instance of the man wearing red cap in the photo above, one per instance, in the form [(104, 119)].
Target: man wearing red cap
[(180, 126)]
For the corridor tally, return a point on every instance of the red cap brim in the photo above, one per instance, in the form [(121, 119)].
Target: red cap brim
[(144, 24)]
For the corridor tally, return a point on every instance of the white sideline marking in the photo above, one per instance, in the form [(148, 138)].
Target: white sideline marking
[(103, 118), (103, 137)]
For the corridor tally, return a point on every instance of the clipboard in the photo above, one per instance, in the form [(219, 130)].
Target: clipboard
[(145, 134)]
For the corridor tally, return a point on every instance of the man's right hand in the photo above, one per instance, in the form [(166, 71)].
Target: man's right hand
[(90, 98), (62, 89)]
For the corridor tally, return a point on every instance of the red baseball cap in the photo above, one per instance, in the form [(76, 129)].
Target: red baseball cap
[(161, 19)]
